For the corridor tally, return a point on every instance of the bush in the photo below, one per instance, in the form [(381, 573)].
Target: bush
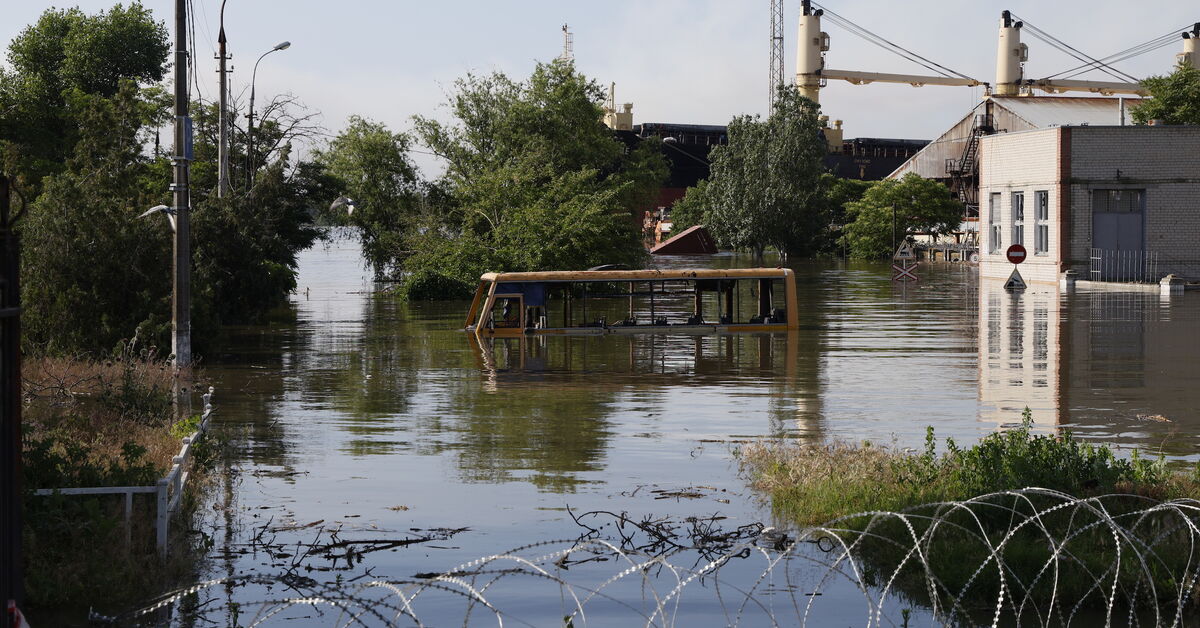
[(1040, 552), (814, 484), (99, 423), (431, 285)]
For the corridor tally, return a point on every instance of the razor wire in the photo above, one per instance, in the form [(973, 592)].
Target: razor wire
[(1028, 557)]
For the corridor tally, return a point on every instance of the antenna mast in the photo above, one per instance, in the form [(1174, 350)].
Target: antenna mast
[(568, 53), (776, 70)]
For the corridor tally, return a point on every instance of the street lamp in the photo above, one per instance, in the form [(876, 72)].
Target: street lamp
[(250, 127)]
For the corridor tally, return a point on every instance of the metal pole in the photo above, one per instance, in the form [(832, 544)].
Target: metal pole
[(223, 121), (250, 134), (11, 580), (181, 338), (893, 227)]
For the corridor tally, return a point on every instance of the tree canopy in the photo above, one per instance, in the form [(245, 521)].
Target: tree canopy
[(372, 167), (534, 181), (1174, 98), (891, 210), (74, 128), (70, 52), (765, 188)]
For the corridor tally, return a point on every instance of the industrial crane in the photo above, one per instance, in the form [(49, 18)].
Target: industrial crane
[(1011, 55)]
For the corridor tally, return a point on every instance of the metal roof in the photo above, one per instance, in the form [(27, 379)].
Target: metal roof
[(1012, 114), (1047, 111)]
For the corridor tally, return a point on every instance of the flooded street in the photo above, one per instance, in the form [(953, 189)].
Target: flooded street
[(382, 420)]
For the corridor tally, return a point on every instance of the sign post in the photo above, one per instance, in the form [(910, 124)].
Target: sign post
[(1015, 254), (901, 271)]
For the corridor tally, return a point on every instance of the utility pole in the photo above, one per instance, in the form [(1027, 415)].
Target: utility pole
[(223, 132), (11, 586), (181, 296)]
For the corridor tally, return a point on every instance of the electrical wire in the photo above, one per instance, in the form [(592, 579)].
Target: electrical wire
[(1074, 52), (890, 46), (1128, 53)]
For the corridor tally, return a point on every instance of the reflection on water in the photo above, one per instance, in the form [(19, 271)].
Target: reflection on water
[(377, 416), (1119, 366)]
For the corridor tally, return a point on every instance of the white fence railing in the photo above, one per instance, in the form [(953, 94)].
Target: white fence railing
[(1132, 266), (168, 489)]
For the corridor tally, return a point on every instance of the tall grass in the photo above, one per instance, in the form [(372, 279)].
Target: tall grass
[(1035, 545), (96, 422), (812, 484)]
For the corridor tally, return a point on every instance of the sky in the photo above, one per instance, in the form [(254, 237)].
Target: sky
[(681, 61)]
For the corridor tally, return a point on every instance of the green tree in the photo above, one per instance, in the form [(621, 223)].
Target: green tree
[(838, 193), (67, 51), (765, 188), (1174, 98), (91, 273), (689, 211), (911, 204), (534, 181), (372, 167)]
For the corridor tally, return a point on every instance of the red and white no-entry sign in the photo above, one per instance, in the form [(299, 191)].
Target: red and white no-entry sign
[(1016, 254)]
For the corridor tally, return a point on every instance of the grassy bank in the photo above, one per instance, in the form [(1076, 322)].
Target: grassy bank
[(98, 423), (811, 484), (948, 530)]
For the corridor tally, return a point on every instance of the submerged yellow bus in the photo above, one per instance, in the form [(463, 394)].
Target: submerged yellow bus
[(634, 301)]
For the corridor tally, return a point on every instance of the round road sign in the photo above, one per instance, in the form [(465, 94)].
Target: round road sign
[(1016, 253)]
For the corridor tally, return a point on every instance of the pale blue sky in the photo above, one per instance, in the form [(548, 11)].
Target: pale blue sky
[(688, 61)]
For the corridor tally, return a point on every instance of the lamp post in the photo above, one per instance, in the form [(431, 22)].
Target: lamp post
[(223, 120), (250, 126)]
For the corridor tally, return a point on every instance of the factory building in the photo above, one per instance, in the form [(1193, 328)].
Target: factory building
[(687, 148), (1111, 203), (952, 158)]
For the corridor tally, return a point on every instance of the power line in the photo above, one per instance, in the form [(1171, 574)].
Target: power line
[(890, 46), (1074, 52), (1128, 53)]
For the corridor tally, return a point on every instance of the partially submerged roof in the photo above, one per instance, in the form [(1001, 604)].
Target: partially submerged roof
[(556, 276), (695, 240)]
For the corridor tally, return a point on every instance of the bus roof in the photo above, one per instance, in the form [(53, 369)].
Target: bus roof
[(573, 276)]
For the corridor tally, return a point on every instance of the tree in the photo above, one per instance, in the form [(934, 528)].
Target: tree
[(765, 188), (1174, 98), (918, 206), (371, 166), (838, 193), (65, 52), (94, 273), (534, 181), (689, 211), (91, 273)]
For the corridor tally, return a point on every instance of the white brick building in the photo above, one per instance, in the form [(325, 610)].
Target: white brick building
[(1109, 202)]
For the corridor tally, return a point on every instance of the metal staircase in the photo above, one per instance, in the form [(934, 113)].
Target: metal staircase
[(964, 172)]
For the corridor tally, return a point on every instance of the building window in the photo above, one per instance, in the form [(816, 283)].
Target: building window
[(1018, 218), (994, 222), (1041, 227), (1117, 201)]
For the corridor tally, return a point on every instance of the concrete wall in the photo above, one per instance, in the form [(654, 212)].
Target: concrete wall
[(1162, 160), (1028, 162), (1070, 163)]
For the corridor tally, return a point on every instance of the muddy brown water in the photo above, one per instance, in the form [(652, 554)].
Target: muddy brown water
[(357, 412)]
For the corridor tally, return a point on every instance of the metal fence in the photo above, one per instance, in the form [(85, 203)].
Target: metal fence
[(1127, 266), (168, 490), (1032, 557)]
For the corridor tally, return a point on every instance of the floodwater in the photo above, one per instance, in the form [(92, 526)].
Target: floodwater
[(358, 413)]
